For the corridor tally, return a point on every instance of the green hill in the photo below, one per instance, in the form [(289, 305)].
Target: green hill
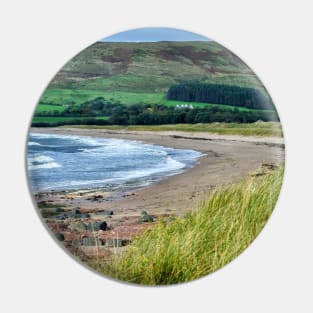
[(148, 69), (152, 67), (141, 74)]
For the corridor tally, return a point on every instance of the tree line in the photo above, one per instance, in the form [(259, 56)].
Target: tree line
[(155, 114), (220, 94)]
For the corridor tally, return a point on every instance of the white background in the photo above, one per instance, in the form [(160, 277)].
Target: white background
[(275, 38)]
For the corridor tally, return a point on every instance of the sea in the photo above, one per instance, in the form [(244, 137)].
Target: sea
[(68, 163)]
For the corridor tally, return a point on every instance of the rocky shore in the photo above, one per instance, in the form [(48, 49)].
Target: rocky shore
[(97, 223)]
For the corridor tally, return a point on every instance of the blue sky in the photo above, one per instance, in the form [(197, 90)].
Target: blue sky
[(151, 34)]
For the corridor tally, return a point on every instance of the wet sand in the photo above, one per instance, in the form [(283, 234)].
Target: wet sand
[(226, 159)]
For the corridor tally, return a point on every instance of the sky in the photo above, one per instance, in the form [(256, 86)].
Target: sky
[(152, 34)]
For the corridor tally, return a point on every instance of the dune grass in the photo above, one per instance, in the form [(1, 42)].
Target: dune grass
[(261, 129), (201, 242)]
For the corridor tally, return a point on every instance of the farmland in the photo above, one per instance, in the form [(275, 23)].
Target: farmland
[(132, 74)]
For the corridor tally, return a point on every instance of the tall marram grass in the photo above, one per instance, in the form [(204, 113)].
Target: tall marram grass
[(201, 242), (260, 129)]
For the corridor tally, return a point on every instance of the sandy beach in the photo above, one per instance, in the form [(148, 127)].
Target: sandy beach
[(226, 159)]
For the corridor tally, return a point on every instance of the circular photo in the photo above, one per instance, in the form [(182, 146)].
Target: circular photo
[(155, 156)]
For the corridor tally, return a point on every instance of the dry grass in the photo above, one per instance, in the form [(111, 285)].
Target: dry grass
[(201, 242), (261, 129)]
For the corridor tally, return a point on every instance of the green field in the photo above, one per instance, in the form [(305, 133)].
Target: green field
[(261, 129), (66, 97), (79, 96), (202, 242), (142, 73), (42, 107)]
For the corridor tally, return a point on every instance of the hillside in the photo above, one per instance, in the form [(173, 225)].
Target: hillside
[(150, 67), (141, 74)]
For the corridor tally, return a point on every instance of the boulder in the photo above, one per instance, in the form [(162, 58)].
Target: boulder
[(87, 241), (102, 225), (145, 218), (76, 213), (76, 210), (59, 236), (91, 241), (62, 216), (55, 210), (116, 242), (95, 198), (77, 226), (49, 212), (104, 212)]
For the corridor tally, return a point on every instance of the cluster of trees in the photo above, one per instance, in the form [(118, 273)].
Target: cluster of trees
[(220, 94), (159, 114), (155, 114)]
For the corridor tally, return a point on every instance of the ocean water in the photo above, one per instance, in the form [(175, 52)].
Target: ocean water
[(67, 163)]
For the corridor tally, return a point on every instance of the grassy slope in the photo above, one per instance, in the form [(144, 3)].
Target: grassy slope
[(152, 67), (49, 108), (269, 129), (142, 72), (201, 242)]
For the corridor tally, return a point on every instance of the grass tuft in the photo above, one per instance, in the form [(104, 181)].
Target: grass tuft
[(203, 241)]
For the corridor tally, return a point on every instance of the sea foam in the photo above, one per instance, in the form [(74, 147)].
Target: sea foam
[(33, 143), (41, 162), (70, 162)]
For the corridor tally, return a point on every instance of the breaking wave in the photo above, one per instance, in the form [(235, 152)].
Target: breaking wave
[(67, 162), (41, 162)]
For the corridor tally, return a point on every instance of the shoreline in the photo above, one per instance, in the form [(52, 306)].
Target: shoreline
[(117, 191), (156, 137), (224, 161)]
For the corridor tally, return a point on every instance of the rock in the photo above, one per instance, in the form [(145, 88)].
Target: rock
[(75, 216), (145, 218), (98, 197), (91, 241), (76, 210), (116, 242), (77, 226), (62, 216), (77, 242), (87, 241), (76, 213), (56, 210), (59, 236), (95, 198), (48, 212), (97, 226), (104, 212)]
